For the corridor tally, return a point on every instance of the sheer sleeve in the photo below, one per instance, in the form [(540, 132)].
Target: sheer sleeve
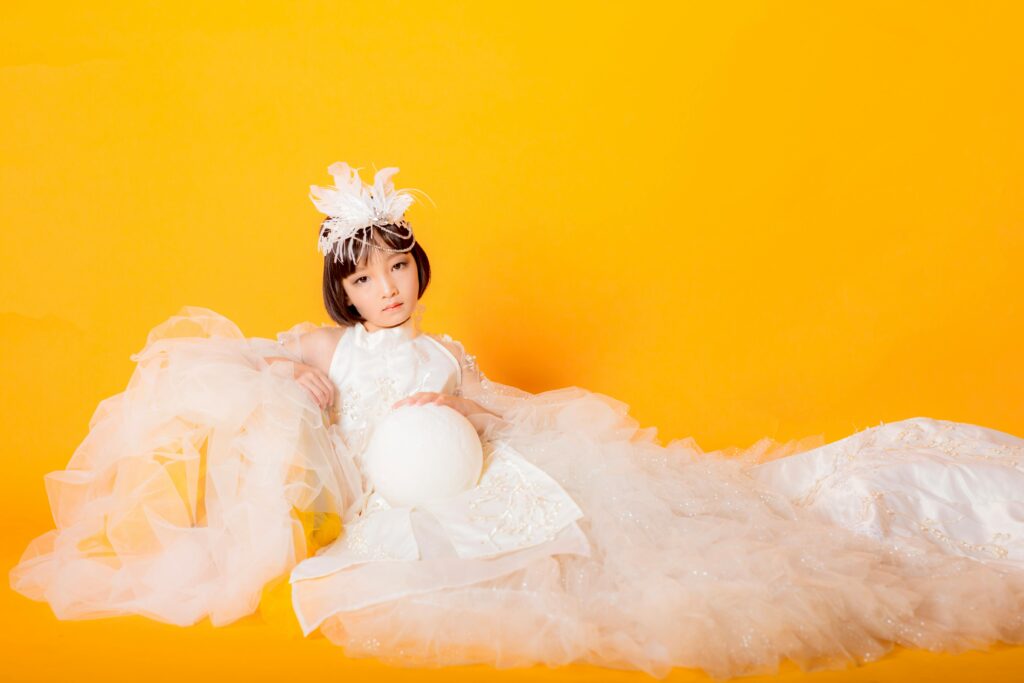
[(291, 340), (289, 344), (477, 387)]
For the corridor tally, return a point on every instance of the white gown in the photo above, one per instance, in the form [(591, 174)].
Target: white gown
[(686, 558), (585, 541)]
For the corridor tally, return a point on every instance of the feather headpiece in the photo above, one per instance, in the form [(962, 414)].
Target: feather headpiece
[(352, 205)]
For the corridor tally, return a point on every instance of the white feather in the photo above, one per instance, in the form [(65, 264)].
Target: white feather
[(352, 204)]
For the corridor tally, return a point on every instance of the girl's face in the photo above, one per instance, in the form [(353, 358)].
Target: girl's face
[(384, 288)]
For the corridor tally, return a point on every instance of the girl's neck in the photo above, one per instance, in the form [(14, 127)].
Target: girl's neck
[(371, 328)]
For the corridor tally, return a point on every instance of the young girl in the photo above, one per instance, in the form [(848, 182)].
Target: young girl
[(231, 461)]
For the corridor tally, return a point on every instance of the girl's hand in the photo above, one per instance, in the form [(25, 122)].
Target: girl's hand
[(463, 405), (317, 383)]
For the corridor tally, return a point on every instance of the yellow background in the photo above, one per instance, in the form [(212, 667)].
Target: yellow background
[(743, 219)]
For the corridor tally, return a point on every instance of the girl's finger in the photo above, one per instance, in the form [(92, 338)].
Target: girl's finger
[(331, 391), (324, 381), (312, 395), (328, 388), (315, 391), (327, 381)]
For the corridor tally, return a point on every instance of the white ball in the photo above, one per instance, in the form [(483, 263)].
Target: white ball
[(419, 453)]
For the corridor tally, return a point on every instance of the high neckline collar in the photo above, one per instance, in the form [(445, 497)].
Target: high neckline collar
[(389, 335)]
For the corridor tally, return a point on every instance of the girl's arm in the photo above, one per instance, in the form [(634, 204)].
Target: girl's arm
[(310, 354), (476, 389), (473, 378), (293, 345), (487, 404)]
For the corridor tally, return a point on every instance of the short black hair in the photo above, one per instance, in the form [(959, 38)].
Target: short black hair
[(396, 236)]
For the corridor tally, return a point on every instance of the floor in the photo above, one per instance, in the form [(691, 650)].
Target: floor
[(269, 646)]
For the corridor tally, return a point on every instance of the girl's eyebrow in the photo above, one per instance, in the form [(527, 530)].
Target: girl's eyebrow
[(389, 258)]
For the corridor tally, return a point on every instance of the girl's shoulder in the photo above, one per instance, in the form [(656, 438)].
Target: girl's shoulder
[(453, 346), (319, 345), (313, 345), (444, 339)]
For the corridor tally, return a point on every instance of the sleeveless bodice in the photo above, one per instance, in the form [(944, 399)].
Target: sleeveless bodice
[(373, 370)]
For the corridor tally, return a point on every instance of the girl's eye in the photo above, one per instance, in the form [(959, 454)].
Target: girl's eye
[(359, 279)]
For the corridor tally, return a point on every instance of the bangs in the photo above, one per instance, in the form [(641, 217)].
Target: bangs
[(365, 241)]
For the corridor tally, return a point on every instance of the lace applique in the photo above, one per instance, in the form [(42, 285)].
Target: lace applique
[(523, 510), (931, 529), (363, 547), (862, 451), (387, 394), (357, 407), (350, 404), (1005, 454)]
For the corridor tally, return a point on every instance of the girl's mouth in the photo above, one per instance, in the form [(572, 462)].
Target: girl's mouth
[(393, 307)]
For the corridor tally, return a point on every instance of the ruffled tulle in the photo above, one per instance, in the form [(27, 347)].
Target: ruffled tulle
[(694, 563), (212, 474)]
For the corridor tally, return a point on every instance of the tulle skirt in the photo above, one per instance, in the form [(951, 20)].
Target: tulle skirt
[(697, 559), (214, 474), (211, 475)]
